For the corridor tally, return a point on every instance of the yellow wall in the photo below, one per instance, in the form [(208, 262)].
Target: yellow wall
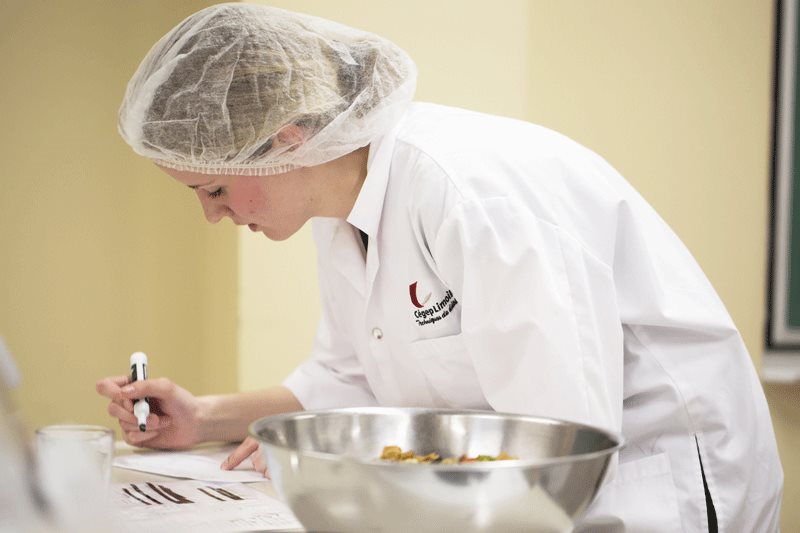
[(102, 254)]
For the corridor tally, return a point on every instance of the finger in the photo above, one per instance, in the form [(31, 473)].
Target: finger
[(117, 411), (134, 428), (110, 387), (259, 465), (127, 427), (139, 438), (155, 388), (153, 422), (125, 403), (245, 449)]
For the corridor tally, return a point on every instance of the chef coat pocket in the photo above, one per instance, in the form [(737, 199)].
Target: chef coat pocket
[(641, 498), (449, 371)]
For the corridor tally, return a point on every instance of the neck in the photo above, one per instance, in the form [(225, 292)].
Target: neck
[(342, 181)]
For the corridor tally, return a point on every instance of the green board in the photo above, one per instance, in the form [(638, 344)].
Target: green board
[(784, 283), (793, 252)]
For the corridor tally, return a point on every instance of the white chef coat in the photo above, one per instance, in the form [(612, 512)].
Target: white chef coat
[(510, 268)]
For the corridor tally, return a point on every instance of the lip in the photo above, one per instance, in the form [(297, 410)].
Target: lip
[(253, 227)]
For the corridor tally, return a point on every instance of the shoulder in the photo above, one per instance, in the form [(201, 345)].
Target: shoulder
[(444, 132), (446, 157), (479, 151), (445, 150)]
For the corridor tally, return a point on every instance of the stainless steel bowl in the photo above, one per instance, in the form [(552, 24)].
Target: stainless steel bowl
[(325, 465)]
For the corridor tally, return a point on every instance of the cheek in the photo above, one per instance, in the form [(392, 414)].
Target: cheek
[(248, 201)]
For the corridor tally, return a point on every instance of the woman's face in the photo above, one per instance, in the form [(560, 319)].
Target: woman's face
[(276, 205)]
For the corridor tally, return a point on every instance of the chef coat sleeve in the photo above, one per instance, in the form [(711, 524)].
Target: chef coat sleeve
[(332, 376), (539, 317)]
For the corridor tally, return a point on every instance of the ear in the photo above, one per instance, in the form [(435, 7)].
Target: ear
[(291, 136)]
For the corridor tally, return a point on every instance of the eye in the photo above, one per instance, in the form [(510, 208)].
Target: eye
[(215, 194)]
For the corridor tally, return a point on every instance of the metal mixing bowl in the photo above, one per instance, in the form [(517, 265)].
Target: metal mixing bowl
[(326, 466)]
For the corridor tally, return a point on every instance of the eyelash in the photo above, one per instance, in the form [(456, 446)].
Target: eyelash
[(216, 194)]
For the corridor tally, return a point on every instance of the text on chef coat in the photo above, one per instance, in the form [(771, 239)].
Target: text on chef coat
[(437, 311)]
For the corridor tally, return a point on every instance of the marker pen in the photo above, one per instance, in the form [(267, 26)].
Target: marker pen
[(141, 407)]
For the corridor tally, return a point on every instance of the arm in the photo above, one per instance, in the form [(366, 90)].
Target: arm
[(219, 423), (178, 419), (226, 417), (181, 420)]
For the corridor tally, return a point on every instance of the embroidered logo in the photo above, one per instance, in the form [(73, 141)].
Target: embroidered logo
[(436, 311), (412, 291)]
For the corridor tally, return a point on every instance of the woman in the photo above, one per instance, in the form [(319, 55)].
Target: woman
[(465, 261)]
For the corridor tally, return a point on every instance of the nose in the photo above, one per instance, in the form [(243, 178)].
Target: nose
[(214, 210)]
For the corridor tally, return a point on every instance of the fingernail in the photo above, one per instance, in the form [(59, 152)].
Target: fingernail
[(128, 389)]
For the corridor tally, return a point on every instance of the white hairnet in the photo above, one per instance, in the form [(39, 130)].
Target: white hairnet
[(212, 94)]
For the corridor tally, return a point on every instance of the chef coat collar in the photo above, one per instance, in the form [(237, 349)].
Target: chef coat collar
[(366, 212)]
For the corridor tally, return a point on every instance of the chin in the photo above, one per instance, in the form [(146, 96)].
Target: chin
[(276, 236), (281, 233)]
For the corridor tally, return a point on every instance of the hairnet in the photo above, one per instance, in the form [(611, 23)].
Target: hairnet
[(212, 94)]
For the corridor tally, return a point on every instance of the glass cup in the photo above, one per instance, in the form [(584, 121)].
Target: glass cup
[(73, 467)]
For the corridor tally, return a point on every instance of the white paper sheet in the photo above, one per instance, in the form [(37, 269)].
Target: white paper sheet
[(201, 463), (199, 506)]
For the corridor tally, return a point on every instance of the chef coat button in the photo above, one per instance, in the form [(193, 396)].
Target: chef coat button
[(377, 333)]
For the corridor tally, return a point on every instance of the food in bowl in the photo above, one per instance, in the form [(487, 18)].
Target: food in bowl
[(397, 455)]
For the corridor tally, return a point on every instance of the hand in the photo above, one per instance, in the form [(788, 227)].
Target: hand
[(174, 412), (248, 448)]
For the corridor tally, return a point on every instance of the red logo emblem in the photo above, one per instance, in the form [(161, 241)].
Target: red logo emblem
[(412, 292)]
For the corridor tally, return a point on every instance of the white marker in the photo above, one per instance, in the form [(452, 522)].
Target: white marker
[(141, 407)]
